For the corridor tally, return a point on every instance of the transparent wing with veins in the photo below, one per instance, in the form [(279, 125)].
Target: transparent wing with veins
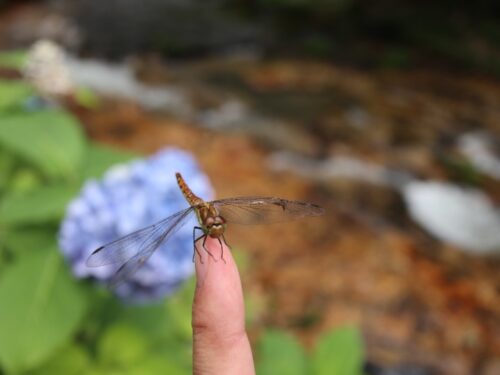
[(133, 250), (262, 210)]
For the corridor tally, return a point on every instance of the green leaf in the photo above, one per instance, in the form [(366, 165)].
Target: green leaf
[(24, 180), (45, 204), (339, 353), (71, 360), (156, 364), (279, 353), (179, 307), (7, 167), (50, 140), (41, 308), (164, 329), (28, 240), (122, 346), (13, 93), (99, 158), (153, 321), (86, 98), (13, 59)]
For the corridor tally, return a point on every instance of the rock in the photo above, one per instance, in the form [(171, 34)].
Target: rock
[(479, 149), (118, 80), (234, 116), (344, 167), (460, 216)]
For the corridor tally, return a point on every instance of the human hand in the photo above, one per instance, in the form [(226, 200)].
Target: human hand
[(220, 342)]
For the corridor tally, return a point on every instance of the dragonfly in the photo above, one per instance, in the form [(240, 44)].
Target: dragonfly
[(133, 250)]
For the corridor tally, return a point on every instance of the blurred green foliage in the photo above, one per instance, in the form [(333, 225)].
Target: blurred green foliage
[(51, 323), (339, 352), (13, 59), (44, 306), (86, 98), (55, 145), (12, 93), (280, 353)]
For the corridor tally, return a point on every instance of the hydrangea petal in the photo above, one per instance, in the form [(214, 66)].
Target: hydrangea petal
[(129, 197)]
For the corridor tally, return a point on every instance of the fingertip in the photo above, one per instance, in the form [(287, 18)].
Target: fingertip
[(220, 342), (218, 287)]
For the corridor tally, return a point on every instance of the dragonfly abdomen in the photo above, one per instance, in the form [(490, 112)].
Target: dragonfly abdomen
[(192, 199)]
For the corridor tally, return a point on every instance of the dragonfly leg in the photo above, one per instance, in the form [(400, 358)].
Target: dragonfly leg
[(194, 243), (203, 244), (225, 243), (221, 250)]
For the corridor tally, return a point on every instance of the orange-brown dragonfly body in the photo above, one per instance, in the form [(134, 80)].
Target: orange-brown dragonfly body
[(212, 224), (135, 249)]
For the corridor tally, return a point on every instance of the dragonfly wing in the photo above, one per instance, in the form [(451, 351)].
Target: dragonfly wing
[(257, 210), (137, 244), (148, 248), (129, 267)]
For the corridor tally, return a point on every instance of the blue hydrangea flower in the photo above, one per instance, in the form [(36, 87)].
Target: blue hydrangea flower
[(129, 197)]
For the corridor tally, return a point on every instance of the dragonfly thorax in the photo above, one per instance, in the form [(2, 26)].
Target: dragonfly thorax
[(214, 226), (212, 223)]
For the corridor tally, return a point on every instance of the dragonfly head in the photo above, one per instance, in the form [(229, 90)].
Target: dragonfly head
[(215, 226)]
